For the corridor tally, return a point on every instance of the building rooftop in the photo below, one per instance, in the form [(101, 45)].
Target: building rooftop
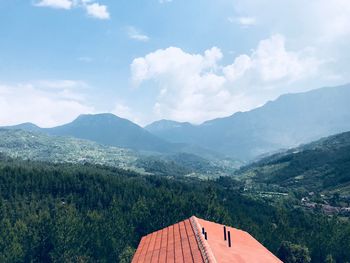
[(197, 240)]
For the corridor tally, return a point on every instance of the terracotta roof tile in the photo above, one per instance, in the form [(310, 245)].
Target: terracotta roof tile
[(183, 242), (244, 248), (174, 244)]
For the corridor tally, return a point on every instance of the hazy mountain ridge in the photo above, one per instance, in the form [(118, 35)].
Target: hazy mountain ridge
[(109, 129), (173, 131), (290, 120), (106, 129), (287, 122), (28, 126)]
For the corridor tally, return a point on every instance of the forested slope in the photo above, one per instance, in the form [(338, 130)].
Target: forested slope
[(84, 213), (321, 166)]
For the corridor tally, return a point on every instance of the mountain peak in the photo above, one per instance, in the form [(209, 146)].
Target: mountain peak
[(109, 129), (97, 116), (26, 126), (167, 124)]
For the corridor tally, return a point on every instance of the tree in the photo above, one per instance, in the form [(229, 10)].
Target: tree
[(68, 239), (11, 249), (329, 259), (126, 255), (292, 253)]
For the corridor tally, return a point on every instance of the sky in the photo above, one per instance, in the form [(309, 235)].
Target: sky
[(147, 60)]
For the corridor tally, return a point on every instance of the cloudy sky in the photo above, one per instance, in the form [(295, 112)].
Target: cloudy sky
[(147, 60)]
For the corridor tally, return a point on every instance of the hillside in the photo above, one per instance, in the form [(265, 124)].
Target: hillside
[(83, 213), (322, 166), (61, 149), (57, 149), (289, 121)]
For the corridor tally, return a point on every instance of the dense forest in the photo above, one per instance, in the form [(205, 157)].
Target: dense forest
[(88, 213)]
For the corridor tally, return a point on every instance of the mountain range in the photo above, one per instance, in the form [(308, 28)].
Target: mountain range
[(106, 129), (290, 120)]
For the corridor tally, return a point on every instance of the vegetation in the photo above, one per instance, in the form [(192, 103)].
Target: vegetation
[(38, 146), (41, 147), (185, 164), (90, 213), (292, 253), (322, 167)]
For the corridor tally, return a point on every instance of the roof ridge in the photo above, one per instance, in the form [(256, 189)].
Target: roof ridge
[(203, 245)]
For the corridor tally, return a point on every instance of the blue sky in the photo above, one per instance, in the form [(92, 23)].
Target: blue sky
[(149, 59)]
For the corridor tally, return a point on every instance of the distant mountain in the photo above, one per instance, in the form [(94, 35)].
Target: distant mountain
[(321, 166), (176, 132), (111, 130), (25, 126), (290, 120), (164, 125), (106, 129)]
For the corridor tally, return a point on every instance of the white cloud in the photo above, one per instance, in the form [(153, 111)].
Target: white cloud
[(244, 21), (241, 64), (97, 10), (323, 25), (85, 59), (60, 84), (186, 82), (333, 18), (272, 62), (45, 102), (59, 4), (123, 111), (135, 34), (195, 87), (313, 21), (247, 21), (92, 8)]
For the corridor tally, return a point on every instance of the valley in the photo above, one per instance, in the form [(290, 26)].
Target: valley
[(119, 166), (169, 131)]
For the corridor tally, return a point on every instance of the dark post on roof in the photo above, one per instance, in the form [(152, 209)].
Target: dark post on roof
[(203, 230), (225, 233), (229, 238), (205, 235)]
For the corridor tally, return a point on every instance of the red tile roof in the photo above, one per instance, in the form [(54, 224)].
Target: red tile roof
[(184, 242), (176, 243)]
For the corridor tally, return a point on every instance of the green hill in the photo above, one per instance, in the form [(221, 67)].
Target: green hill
[(85, 213), (321, 166), (57, 149), (36, 146)]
